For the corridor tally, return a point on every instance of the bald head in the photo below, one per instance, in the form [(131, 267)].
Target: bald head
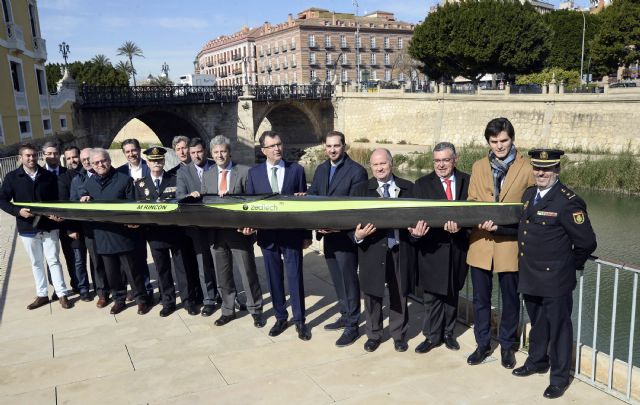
[(381, 163)]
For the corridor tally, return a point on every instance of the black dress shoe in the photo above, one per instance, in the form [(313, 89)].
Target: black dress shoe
[(508, 358), (117, 308), (167, 310), (451, 343), (526, 371), (218, 299), (239, 306), (555, 391), (208, 310), (371, 345), (479, 355), (258, 320), (143, 308), (426, 346), (224, 319), (400, 346), (192, 310), (348, 337), (337, 325), (38, 302), (280, 326), (303, 332)]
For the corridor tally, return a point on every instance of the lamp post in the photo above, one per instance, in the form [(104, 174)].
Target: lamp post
[(64, 50), (584, 28), (165, 69), (355, 3)]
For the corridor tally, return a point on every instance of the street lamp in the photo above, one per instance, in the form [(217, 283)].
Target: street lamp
[(165, 69), (64, 50), (355, 3), (584, 28)]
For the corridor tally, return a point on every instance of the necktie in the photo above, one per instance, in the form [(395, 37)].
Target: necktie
[(200, 172), (391, 235), (157, 183), (447, 190), (274, 180), (223, 181), (537, 198), (332, 172)]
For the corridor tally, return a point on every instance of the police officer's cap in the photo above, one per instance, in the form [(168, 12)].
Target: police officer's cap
[(155, 153), (545, 157)]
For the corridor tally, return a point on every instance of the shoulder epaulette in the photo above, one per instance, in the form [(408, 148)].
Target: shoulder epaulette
[(567, 193)]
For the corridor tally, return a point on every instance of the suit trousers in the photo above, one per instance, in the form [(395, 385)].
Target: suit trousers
[(208, 283), (80, 267), (235, 248), (140, 257), (276, 269), (69, 258), (398, 312), (162, 260), (343, 268), (482, 287), (441, 312), (98, 272), (551, 335), (117, 264)]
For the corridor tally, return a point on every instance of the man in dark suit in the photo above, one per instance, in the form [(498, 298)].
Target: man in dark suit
[(166, 242), (232, 245), (337, 176), (442, 252), (189, 182), (279, 176), (554, 239), (385, 256)]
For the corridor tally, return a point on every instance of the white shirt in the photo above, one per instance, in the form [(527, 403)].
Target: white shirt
[(279, 173), (394, 191), (546, 190), (453, 185), (227, 175), (33, 175), (153, 179), (135, 173), (54, 170)]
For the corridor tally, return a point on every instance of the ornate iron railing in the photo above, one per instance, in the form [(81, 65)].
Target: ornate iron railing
[(293, 92), (117, 96)]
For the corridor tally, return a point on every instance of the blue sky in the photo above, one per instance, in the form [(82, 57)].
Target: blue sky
[(174, 31)]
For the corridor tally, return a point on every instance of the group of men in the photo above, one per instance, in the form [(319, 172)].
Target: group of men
[(537, 257)]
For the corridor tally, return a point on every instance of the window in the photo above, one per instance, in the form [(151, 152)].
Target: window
[(374, 75), (328, 76), (313, 75), (401, 77), (359, 59), (295, 77), (46, 124), (343, 41), (386, 43), (32, 20), (358, 42), (63, 122), (42, 83), (400, 43), (373, 42), (6, 10), (387, 59), (345, 76), (1, 131), (25, 129), (312, 41), (327, 41), (16, 76), (293, 43), (328, 58), (344, 59), (293, 60), (373, 59), (312, 58), (387, 75)]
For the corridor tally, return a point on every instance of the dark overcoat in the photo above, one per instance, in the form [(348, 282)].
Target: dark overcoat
[(159, 237), (372, 251), (442, 256)]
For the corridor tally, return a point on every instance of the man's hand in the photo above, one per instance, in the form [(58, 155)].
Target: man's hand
[(420, 229), (306, 243), (451, 226), (132, 226), (74, 235), (55, 218), (195, 194), (85, 198), (246, 231), (325, 231), (363, 232), (488, 226), (300, 194), (221, 193), (25, 213)]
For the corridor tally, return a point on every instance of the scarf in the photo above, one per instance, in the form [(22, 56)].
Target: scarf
[(500, 169)]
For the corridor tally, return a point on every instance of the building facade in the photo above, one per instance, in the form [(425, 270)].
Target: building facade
[(25, 106)]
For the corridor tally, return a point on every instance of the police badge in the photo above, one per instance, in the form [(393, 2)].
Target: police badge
[(578, 217)]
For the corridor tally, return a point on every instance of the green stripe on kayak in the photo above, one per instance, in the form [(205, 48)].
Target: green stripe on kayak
[(119, 207)]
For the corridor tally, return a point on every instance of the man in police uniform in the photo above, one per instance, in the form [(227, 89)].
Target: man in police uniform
[(554, 238), (166, 240)]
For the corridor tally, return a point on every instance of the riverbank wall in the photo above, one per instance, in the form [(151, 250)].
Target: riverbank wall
[(606, 122)]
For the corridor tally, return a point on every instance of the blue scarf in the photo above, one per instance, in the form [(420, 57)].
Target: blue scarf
[(500, 169)]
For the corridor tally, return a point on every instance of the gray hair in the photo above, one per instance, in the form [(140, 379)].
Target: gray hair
[(445, 145), (220, 140), (99, 151), (177, 139), (51, 144)]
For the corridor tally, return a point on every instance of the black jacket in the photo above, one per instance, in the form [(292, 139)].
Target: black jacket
[(442, 256), (18, 187), (159, 237), (111, 238), (554, 239)]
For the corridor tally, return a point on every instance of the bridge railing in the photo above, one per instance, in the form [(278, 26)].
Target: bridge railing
[(105, 96), (293, 92)]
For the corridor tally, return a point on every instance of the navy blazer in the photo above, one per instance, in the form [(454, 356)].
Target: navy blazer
[(294, 182), (347, 175)]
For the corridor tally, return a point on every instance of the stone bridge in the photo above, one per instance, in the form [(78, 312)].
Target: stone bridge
[(300, 113)]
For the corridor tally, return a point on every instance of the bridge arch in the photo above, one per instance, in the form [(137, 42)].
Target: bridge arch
[(294, 120)]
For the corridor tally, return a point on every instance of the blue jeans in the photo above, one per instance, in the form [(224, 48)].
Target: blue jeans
[(80, 266)]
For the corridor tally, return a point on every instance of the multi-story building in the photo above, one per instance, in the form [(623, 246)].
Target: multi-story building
[(231, 59), (321, 44), (25, 107)]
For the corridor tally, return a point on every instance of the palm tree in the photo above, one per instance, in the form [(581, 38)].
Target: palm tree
[(101, 60), (130, 49), (125, 67)]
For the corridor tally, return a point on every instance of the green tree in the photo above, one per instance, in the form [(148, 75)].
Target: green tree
[(101, 60), (160, 81), (476, 37), (130, 49), (571, 78), (617, 43), (125, 67), (54, 74), (565, 42)]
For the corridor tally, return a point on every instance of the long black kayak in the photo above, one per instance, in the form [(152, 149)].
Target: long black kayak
[(285, 212)]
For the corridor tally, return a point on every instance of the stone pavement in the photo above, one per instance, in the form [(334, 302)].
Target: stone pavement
[(86, 356)]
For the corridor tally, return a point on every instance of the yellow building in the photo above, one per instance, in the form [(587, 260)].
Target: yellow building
[(26, 109)]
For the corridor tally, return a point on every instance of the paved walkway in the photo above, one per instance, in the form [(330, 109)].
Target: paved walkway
[(86, 356)]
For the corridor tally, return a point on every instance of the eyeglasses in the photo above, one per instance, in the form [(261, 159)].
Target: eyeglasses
[(100, 162), (438, 161), (275, 145)]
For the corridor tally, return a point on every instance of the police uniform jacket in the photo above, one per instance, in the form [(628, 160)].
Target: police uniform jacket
[(372, 251), (555, 238), (441, 255), (159, 237), (19, 187), (488, 249), (111, 238)]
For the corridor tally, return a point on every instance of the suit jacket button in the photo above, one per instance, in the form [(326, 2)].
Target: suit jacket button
[(527, 221), (525, 232), (544, 223), (522, 243), (548, 269), (521, 254)]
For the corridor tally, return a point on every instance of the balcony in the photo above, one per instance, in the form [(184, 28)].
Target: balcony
[(237, 71), (388, 63), (277, 67), (328, 46), (313, 62), (223, 74), (344, 63), (344, 45), (236, 57), (329, 62), (222, 61), (209, 64), (373, 47), (15, 37), (313, 45), (283, 48), (276, 50), (294, 64), (269, 51), (285, 66), (40, 48), (292, 46)]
